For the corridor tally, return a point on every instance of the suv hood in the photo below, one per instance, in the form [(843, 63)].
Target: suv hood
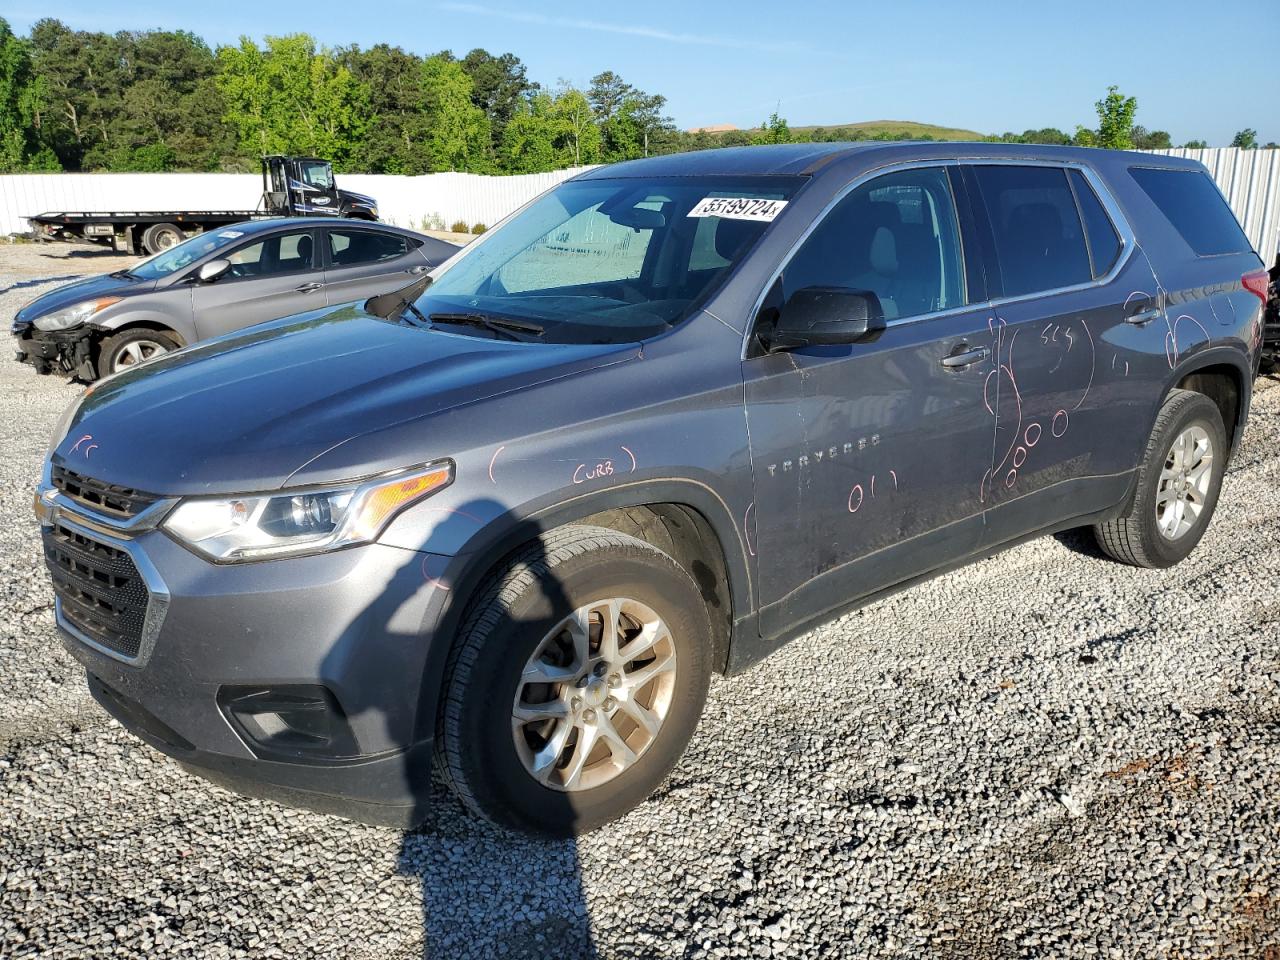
[(241, 413), (69, 295)]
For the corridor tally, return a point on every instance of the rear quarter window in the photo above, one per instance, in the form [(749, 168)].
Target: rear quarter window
[(1191, 202)]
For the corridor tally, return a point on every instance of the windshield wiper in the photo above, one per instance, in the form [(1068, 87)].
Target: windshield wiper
[(507, 326), (122, 275)]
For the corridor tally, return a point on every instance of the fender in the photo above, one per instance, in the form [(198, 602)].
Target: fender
[(146, 318), (465, 572), (1223, 355)]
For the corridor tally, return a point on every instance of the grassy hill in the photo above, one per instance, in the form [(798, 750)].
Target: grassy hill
[(897, 127)]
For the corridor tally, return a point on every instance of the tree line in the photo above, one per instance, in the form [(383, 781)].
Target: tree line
[(165, 100)]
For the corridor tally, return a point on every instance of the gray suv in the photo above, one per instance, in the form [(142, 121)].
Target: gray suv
[(214, 283), (663, 419)]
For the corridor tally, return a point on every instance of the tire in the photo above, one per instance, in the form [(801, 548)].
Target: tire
[(161, 236), (128, 348), (484, 752), (1136, 537)]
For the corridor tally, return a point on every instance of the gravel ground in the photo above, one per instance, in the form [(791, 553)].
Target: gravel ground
[(1089, 767)]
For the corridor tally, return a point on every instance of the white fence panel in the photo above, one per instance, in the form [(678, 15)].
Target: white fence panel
[(407, 201)]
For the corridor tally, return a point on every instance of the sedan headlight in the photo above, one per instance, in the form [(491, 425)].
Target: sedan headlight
[(73, 316), (290, 523)]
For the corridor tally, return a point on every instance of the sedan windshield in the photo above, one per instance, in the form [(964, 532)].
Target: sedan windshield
[(186, 253), (606, 261)]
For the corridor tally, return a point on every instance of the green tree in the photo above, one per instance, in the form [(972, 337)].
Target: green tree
[(1246, 139), (578, 138), (21, 101), (457, 131), (1144, 139), (529, 138), (774, 130), (499, 85), (292, 98), (1195, 145), (1115, 120), (394, 141)]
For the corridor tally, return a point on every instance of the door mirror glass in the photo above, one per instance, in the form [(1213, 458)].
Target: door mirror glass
[(826, 315), (213, 269)]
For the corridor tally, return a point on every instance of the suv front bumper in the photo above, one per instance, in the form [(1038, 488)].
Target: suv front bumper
[(299, 680)]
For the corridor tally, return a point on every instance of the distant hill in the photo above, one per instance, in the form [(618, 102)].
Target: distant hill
[(894, 127)]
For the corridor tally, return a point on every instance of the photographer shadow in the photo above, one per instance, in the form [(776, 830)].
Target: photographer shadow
[(486, 891)]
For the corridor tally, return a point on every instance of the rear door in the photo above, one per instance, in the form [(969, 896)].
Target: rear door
[(1078, 330), (363, 262), (869, 458), (270, 277)]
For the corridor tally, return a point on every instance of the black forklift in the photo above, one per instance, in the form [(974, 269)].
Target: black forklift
[(291, 187)]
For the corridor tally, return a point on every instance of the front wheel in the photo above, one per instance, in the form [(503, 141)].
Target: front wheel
[(1178, 484), (576, 681), (128, 348)]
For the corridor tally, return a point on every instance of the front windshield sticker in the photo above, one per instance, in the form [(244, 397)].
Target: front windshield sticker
[(738, 208), (231, 234)]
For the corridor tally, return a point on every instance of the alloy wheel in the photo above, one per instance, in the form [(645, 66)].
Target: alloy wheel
[(139, 351), (594, 695), (1183, 487)]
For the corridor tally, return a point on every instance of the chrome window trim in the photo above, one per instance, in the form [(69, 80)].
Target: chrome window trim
[(1128, 241), (157, 593)]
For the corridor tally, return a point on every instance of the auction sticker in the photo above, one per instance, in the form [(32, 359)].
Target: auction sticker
[(738, 208)]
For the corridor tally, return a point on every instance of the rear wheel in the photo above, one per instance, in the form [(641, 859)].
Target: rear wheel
[(576, 681), (1178, 485), (128, 348), (161, 236)]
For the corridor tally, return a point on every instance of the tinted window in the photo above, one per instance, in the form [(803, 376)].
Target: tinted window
[(895, 236), (350, 247), (1191, 202), (287, 253), (1104, 242), (1039, 241)]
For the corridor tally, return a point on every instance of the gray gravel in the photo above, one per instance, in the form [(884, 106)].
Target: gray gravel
[(1088, 767)]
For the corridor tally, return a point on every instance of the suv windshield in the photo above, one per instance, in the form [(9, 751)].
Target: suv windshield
[(185, 254), (607, 261)]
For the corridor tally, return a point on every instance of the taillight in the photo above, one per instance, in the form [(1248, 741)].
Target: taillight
[(1256, 283)]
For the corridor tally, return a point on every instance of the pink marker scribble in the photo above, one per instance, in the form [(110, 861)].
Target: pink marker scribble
[(1011, 478), (633, 458), (89, 449), (895, 479), (1019, 457), (873, 486), (1066, 420), (746, 528), (1026, 434), (76, 446), (1093, 365), (493, 460), (857, 489)]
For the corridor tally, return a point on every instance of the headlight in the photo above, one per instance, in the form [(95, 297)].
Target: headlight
[(73, 316), (290, 523)]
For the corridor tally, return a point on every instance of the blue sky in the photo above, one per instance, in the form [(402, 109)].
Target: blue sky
[(1198, 69)]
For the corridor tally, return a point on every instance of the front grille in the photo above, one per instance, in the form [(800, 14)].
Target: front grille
[(106, 498), (101, 591)]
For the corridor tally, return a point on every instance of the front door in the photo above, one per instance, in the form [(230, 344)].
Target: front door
[(269, 278), (869, 459)]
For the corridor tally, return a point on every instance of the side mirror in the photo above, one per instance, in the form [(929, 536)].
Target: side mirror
[(824, 316), (212, 270)]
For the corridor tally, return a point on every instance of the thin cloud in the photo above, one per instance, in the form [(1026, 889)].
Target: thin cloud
[(649, 33)]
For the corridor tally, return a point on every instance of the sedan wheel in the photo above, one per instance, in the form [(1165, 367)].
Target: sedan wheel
[(139, 351)]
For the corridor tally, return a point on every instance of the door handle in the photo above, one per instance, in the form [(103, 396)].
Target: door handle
[(1143, 317), (308, 287), (954, 361), (422, 268)]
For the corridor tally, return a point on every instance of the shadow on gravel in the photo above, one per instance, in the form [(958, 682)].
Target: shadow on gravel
[(487, 892), (37, 282), (1082, 541)]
